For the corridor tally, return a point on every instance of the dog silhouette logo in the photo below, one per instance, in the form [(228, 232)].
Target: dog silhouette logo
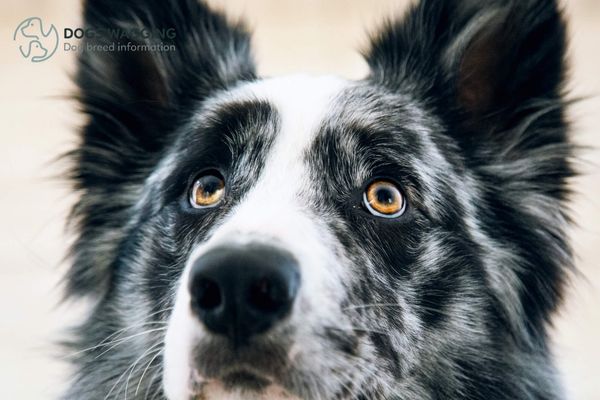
[(36, 43)]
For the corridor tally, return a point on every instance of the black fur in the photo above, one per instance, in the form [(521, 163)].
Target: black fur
[(463, 108)]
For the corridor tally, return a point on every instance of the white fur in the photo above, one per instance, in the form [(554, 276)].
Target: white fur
[(271, 211)]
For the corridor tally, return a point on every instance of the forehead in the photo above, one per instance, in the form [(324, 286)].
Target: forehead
[(297, 103), (308, 108)]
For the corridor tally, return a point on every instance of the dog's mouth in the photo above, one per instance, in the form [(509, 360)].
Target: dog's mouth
[(247, 380), (216, 357), (243, 379), (252, 369), (247, 383)]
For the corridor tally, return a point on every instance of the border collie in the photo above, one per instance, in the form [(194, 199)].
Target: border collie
[(396, 237)]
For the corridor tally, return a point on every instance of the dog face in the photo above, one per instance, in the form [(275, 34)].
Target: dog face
[(299, 200), (312, 237)]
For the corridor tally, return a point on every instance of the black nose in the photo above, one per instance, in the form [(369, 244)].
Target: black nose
[(243, 291)]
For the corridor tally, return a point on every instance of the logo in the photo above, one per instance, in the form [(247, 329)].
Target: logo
[(35, 43)]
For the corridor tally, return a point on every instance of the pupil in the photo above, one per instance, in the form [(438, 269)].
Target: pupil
[(210, 185), (385, 196)]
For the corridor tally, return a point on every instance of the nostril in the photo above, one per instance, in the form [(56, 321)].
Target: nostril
[(207, 294)]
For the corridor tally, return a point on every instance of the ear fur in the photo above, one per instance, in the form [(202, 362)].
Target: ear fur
[(483, 61)]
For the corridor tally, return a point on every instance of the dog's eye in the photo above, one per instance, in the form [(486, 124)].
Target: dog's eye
[(384, 199), (207, 190)]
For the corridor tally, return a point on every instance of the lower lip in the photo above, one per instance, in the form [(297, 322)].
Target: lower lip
[(246, 380), (218, 389)]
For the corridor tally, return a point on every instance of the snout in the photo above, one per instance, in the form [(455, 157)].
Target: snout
[(250, 311), (243, 291)]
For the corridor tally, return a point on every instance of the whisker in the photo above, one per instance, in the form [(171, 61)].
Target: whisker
[(151, 350), (356, 329), (152, 380), (396, 305), (125, 372), (145, 370), (121, 341), (371, 305), (107, 342)]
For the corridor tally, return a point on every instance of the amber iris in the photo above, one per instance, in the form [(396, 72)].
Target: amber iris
[(207, 191), (384, 199)]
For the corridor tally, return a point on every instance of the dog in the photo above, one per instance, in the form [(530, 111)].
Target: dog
[(398, 237)]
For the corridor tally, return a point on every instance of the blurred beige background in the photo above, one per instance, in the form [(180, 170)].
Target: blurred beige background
[(313, 36)]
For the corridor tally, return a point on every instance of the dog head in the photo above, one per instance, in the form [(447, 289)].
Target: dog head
[(400, 236)]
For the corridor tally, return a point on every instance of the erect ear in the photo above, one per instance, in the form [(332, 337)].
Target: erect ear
[(159, 56), (144, 67), (485, 64)]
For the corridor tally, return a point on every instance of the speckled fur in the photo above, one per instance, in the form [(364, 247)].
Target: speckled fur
[(463, 108)]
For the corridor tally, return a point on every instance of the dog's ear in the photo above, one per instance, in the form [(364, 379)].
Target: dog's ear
[(144, 61), (144, 66), (485, 65)]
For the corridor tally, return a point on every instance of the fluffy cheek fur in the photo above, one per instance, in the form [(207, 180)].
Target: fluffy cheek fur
[(419, 313)]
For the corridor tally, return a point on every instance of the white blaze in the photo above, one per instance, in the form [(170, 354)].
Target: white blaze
[(270, 211)]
